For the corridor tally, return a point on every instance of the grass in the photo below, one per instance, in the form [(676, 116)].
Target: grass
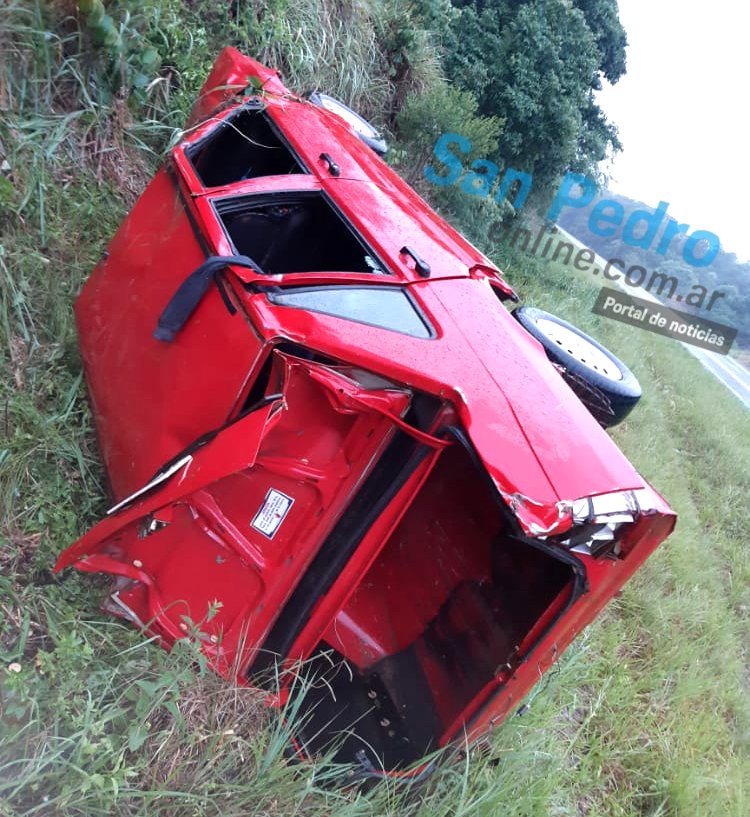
[(647, 714), (675, 644)]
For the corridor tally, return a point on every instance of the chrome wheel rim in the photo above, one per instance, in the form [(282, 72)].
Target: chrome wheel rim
[(580, 348)]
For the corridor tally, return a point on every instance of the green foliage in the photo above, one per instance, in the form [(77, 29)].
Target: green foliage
[(535, 65), (7, 196), (443, 109), (132, 61), (602, 17), (424, 118), (322, 45)]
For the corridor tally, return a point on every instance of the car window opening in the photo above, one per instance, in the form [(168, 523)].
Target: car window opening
[(287, 233), (244, 146)]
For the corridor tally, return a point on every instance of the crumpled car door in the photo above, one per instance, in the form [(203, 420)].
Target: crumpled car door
[(215, 543)]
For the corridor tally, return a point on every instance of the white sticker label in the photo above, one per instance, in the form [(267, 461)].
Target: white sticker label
[(271, 513)]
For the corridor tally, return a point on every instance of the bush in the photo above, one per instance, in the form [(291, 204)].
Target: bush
[(424, 118)]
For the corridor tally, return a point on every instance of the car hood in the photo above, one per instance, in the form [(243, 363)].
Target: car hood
[(513, 395)]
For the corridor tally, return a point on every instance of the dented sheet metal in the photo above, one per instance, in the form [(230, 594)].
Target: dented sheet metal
[(217, 545)]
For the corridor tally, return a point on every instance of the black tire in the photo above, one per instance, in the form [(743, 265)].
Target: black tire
[(604, 375), (366, 131)]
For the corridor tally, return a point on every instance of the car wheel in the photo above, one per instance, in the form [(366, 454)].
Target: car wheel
[(603, 382), (367, 132)]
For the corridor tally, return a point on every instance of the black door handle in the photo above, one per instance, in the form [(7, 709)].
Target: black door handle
[(422, 267), (333, 168)]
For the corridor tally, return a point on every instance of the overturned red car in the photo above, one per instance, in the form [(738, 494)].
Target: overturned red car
[(332, 449)]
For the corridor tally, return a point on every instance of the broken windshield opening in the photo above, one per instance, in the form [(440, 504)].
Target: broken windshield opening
[(244, 146)]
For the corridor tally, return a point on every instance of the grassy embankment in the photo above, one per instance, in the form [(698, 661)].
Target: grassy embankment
[(648, 713)]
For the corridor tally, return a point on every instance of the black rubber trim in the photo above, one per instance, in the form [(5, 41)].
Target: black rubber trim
[(272, 289), (194, 226), (420, 265), (191, 291), (199, 237), (222, 287), (252, 104), (333, 167), (466, 443), (228, 203)]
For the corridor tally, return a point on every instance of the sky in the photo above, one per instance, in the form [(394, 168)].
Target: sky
[(682, 113)]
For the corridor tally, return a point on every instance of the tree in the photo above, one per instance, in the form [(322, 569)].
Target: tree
[(603, 20), (536, 64)]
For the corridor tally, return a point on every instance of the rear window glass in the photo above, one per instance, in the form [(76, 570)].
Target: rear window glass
[(382, 306), (294, 232), (243, 146)]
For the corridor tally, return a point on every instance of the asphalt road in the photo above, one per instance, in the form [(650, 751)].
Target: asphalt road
[(731, 374)]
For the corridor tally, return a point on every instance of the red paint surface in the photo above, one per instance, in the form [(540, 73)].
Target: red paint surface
[(317, 442)]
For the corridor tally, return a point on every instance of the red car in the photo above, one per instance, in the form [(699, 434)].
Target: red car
[(332, 449)]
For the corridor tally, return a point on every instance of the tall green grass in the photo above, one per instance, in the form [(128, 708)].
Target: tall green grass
[(646, 714)]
